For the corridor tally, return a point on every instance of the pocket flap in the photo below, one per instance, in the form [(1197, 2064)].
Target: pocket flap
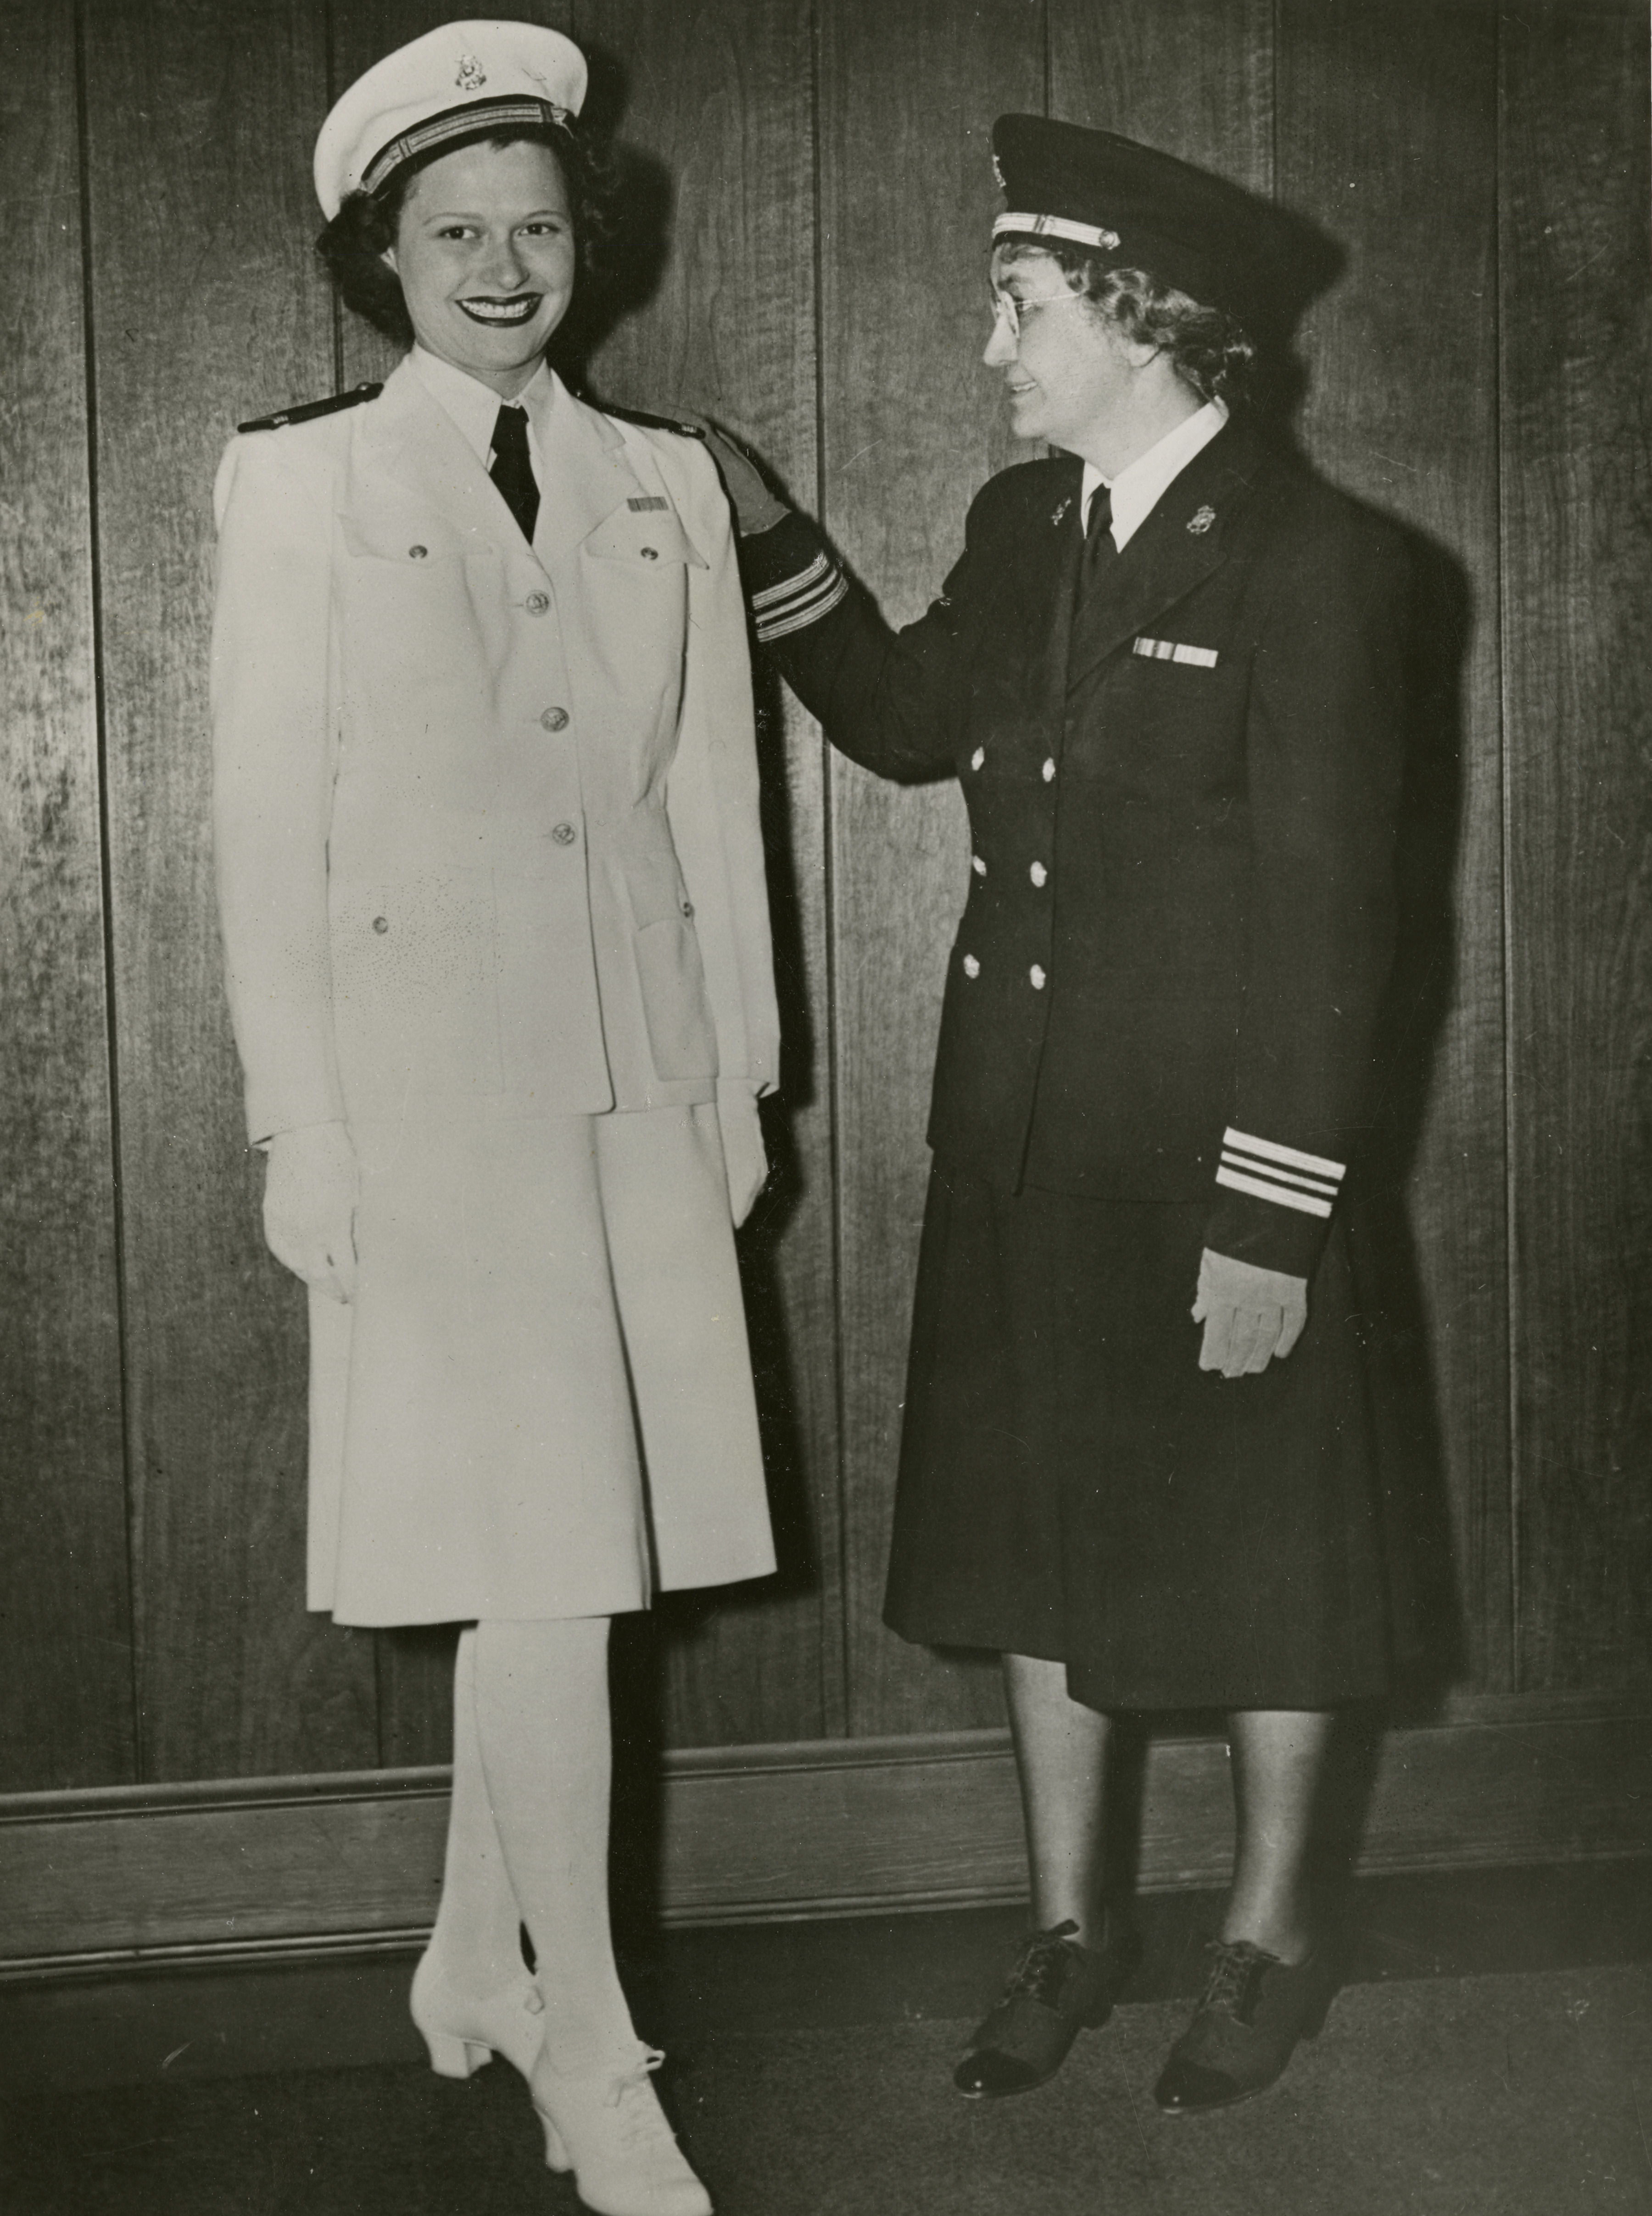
[(645, 530)]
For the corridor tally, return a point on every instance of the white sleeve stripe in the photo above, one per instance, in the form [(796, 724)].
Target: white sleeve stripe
[(1272, 1150), (787, 585), (779, 621), (1308, 1203), (1234, 1160)]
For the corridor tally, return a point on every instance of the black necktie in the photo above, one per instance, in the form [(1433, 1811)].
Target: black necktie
[(1099, 552), (512, 470)]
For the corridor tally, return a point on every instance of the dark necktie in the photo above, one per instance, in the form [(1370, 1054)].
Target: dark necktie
[(512, 470), (1099, 552)]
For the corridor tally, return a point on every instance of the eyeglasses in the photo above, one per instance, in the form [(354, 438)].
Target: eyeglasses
[(1015, 312)]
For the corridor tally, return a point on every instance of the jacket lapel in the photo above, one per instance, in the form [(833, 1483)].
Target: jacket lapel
[(1181, 544), (586, 472), (412, 437)]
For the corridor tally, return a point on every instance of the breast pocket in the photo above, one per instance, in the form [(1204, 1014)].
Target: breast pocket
[(1171, 728)]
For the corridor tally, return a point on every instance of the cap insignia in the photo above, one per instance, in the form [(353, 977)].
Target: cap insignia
[(1202, 521), (471, 75), (998, 174), (1061, 510)]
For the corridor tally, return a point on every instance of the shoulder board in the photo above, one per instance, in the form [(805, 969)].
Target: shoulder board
[(639, 415), (310, 409)]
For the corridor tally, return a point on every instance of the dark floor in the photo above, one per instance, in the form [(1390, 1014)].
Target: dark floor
[(1491, 2051)]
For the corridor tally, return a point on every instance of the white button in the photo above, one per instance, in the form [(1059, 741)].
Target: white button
[(1037, 976), (1038, 873), (555, 719), (977, 758), (538, 603), (972, 967), (1049, 772), (977, 865), (563, 834)]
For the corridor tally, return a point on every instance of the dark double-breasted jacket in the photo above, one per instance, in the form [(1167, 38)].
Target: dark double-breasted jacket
[(1181, 796)]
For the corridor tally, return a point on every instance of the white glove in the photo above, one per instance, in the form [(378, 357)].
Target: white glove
[(744, 1155), (1250, 1315), (754, 506), (310, 1189)]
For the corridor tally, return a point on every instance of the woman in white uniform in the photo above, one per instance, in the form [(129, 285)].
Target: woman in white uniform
[(497, 952)]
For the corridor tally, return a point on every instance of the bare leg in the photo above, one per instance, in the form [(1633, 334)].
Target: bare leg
[(1278, 1756), (1061, 1753), (543, 1726)]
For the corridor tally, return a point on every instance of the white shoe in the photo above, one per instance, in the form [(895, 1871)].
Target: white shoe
[(609, 2123), (464, 2030)]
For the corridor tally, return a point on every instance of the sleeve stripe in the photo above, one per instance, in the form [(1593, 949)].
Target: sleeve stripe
[(808, 608), (787, 585), (1309, 1204), (1270, 1150), (1325, 1187)]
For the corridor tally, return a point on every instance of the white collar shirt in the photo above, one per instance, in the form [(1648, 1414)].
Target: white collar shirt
[(1138, 490), (474, 407)]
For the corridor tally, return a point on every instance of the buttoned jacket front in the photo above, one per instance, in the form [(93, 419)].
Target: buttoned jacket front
[(486, 814), (1181, 799)]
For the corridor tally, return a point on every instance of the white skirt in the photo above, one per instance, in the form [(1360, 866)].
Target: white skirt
[(540, 1402)]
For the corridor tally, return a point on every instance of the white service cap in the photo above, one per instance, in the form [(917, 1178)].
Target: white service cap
[(452, 81)]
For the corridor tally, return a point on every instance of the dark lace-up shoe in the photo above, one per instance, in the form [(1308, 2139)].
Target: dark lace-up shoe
[(1056, 1989), (1254, 2010)]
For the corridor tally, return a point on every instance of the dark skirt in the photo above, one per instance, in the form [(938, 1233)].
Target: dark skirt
[(1074, 1486)]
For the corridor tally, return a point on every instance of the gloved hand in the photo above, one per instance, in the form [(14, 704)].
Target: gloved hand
[(756, 508), (744, 1156), (1249, 1315), (310, 1189)]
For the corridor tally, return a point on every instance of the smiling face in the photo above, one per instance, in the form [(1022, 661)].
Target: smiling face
[(1071, 376), (484, 250)]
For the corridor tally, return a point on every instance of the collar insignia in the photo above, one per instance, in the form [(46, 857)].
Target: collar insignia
[(1061, 510), (471, 75), (1202, 522)]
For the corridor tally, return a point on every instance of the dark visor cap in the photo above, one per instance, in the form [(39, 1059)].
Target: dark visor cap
[(1132, 207)]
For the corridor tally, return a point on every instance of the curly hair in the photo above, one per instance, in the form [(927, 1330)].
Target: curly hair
[(1208, 349), (353, 246)]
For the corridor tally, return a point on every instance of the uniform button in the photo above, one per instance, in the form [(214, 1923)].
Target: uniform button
[(1037, 976), (977, 865), (417, 553), (972, 967), (563, 834), (555, 719), (381, 923), (651, 553), (1038, 873), (538, 603), (977, 758), (688, 908), (1049, 772)]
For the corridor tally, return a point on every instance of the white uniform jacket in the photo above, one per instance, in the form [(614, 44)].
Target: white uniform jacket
[(486, 815), (489, 865)]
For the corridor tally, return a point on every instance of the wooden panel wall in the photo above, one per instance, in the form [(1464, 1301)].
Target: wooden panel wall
[(1576, 430), (814, 194), (64, 1612)]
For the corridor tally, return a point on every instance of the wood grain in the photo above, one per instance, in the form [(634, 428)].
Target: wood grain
[(1401, 410), (912, 425), (65, 1611), (1194, 78), (846, 1827), (1576, 438), (205, 310), (717, 128)]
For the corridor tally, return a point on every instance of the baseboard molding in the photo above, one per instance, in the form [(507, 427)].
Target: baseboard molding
[(276, 1867)]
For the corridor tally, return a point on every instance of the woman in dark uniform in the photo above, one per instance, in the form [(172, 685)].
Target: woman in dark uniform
[(1167, 670)]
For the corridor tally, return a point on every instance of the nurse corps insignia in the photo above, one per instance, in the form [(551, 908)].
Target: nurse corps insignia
[(471, 75), (1202, 522)]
